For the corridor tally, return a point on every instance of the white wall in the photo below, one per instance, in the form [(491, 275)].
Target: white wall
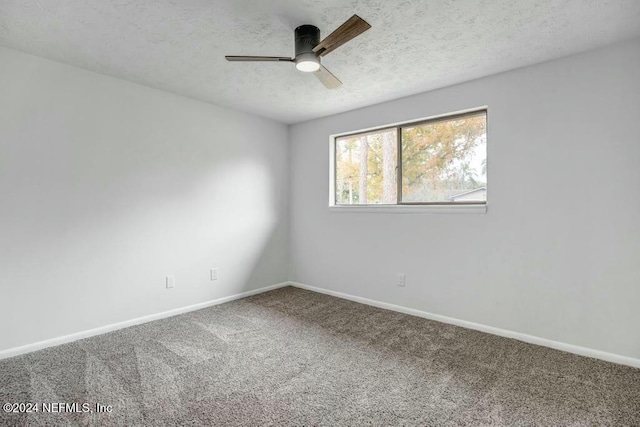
[(558, 253), (106, 187)]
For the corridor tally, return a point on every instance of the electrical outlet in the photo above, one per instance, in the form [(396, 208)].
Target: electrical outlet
[(400, 279), (171, 282), (214, 274)]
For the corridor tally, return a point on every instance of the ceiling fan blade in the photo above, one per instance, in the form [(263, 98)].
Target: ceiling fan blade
[(259, 58), (328, 80), (353, 27)]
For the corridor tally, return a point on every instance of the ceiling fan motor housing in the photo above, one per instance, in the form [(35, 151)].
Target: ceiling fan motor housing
[(306, 38)]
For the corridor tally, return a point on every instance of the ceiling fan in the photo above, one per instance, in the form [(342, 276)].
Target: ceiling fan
[(309, 49)]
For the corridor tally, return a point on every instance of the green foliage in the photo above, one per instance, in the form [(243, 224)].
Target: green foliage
[(436, 158), (380, 171), (436, 162)]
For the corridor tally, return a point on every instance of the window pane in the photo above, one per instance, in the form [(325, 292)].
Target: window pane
[(366, 168), (445, 161)]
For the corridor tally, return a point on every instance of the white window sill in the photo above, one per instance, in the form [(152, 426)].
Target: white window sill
[(412, 209)]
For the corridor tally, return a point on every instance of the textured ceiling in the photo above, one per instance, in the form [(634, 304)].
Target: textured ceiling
[(414, 45)]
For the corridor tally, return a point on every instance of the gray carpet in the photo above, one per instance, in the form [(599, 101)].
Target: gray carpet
[(294, 357)]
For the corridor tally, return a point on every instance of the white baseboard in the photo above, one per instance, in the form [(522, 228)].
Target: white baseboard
[(582, 351), (16, 351)]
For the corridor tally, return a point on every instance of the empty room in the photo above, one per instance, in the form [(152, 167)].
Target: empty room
[(336, 213)]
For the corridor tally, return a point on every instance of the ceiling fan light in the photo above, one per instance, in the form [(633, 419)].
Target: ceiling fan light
[(308, 66), (307, 62)]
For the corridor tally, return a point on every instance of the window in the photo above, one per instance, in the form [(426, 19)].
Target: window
[(442, 161)]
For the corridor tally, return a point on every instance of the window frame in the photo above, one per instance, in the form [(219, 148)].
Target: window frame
[(446, 207)]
